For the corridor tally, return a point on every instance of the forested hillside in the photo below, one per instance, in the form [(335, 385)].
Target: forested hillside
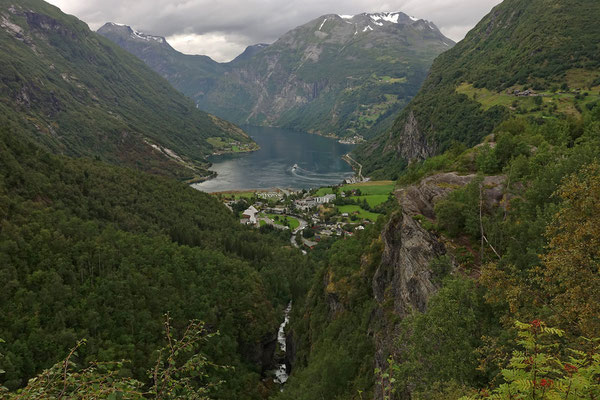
[(434, 300), (535, 59), (78, 94), (102, 253)]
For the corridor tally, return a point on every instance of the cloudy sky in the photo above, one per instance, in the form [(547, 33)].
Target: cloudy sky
[(222, 29)]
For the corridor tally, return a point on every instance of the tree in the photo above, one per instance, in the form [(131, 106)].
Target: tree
[(181, 371), (544, 370), (570, 276)]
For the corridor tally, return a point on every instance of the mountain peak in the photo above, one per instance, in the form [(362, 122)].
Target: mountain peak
[(129, 31), (382, 17), (366, 23), (250, 52)]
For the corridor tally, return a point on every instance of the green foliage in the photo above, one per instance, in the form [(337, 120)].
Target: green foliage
[(459, 212), (88, 250), (335, 353), (441, 268), (545, 370), (439, 346), (570, 276), (181, 371)]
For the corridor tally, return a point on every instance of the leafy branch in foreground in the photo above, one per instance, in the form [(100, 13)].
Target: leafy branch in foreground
[(181, 371), (543, 370)]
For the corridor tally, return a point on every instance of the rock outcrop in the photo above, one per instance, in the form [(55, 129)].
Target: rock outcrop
[(404, 282), (413, 145)]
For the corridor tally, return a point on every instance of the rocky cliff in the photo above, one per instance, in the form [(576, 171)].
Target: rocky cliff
[(404, 281)]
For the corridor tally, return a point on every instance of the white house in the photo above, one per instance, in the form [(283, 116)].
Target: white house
[(249, 216), (325, 199)]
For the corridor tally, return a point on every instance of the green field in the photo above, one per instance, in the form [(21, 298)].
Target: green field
[(351, 209), (293, 222), (323, 191), (373, 200), (218, 142), (236, 195), (564, 103)]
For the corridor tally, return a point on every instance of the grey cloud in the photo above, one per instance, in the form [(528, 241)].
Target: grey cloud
[(220, 28)]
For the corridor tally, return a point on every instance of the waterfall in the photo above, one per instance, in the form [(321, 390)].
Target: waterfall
[(281, 374)]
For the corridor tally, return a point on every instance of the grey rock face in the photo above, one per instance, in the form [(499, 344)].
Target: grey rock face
[(404, 273), (404, 282), (413, 145)]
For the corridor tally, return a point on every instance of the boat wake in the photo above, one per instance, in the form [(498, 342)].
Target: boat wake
[(330, 178)]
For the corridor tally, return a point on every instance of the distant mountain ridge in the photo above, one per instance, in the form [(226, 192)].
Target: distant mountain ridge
[(78, 94), (547, 46), (338, 75)]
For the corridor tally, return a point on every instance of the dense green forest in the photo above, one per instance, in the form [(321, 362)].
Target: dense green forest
[(102, 253), (549, 46), (77, 93)]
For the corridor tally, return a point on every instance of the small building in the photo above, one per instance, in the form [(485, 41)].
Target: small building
[(325, 199), (277, 210), (305, 204), (249, 216)]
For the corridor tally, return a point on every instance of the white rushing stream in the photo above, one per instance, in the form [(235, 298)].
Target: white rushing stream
[(281, 374)]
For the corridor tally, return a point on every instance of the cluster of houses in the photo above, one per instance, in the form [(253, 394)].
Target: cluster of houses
[(523, 93), (306, 210), (276, 195), (309, 202), (355, 179)]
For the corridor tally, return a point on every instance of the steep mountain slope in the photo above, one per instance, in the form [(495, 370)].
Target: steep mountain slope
[(181, 70), (77, 93), (549, 46), (334, 75)]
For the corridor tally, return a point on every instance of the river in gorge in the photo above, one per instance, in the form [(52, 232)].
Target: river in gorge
[(281, 373), (286, 159)]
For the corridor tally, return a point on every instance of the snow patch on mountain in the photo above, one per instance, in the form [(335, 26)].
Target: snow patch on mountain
[(323, 23), (139, 35), (389, 17)]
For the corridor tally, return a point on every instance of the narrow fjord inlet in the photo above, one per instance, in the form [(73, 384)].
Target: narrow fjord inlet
[(318, 162)]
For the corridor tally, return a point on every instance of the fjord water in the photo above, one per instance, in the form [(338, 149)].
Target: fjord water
[(318, 159)]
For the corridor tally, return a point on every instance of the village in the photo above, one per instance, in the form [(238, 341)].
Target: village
[(313, 216)]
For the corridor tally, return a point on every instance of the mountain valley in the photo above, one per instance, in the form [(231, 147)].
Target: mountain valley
[(461, 261), (341, 76)]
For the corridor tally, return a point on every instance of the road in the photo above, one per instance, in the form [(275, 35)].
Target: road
[(302, 225), (360, 167)]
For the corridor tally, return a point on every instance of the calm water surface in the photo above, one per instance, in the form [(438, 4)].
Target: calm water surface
[(318, 158)]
